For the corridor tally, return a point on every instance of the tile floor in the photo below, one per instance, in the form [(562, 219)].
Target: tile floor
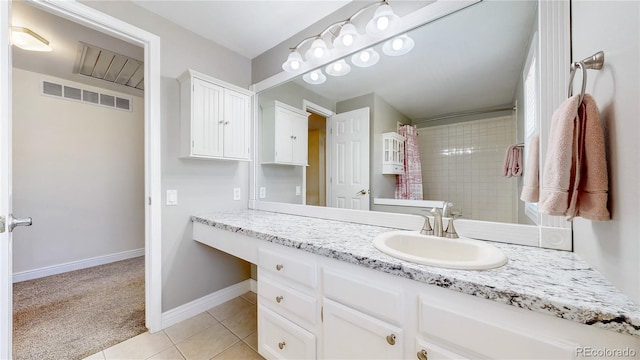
[(227, 331)]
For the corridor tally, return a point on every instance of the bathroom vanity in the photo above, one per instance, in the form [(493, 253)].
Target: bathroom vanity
[(324, 291)]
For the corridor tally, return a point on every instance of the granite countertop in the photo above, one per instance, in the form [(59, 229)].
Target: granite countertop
[(553, 282)]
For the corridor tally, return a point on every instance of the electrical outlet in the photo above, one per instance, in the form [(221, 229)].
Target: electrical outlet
[(263, 192), (298, 190), (172, 197), (236, 193)]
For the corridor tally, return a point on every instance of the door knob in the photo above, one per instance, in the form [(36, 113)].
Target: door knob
[(362, 192), (13, 222)]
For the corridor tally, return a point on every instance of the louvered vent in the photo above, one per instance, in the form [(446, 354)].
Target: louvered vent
[(109, 66), (87, 96)]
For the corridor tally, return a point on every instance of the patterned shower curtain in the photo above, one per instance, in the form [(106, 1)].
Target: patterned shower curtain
[(409, 184)]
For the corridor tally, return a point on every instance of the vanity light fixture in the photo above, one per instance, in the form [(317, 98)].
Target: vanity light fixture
[(27, 39), (293, 63), (397, 46), (383, 20), (366, 58), (314, 77), (346, 37), (318, 51), (338, 68)]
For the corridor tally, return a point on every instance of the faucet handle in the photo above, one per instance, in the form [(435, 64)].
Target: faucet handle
[(450, 231), (426, 227)]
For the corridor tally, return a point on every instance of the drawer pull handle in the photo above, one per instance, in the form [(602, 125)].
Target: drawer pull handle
[(281, 345), (422, 354), (391, 339), (279, 267), (279, 299)]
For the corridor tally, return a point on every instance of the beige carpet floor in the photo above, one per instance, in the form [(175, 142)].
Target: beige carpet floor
[(76, 314)]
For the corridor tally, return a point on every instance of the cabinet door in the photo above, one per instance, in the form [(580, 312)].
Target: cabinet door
[(236, 124), (283, 135), (350, 334), (300, 131), (206, 119)]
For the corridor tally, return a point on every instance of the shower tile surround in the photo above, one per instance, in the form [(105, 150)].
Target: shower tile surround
[(462, 163), (553, 282)]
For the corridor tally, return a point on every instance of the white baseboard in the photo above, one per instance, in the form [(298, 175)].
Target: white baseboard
[(205, 303), (75, 265)]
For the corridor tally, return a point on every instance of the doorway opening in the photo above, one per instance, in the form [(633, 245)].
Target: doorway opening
[(316, 184)]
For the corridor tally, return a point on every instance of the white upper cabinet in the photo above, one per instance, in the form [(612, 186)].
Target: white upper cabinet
[(215, 118), (285, 133)]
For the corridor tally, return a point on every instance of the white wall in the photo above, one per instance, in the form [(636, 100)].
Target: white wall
[(78, 171), (613, 247), (190, 270)]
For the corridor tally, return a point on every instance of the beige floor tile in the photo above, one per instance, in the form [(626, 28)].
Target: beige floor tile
[(250, 297), (139, 347), (252, 340), (243, 323), (96, 356), (171, 353), (239, 351), (207, 343), (190, 327), (230, 308)]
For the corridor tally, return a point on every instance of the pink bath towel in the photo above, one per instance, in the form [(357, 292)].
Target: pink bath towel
[(512, 161), (530, 183), (575, 180)]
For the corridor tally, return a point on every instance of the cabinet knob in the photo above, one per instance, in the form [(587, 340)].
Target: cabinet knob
[(226, 123), (391, 339), (281, 345), (279, 267), (279, 299), (221, 122), (291, 136), (422, 354), (295, 137)]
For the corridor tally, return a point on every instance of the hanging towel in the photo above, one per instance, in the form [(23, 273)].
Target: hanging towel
[(512, 161), (575, 180), (409, 184), (530, 183)]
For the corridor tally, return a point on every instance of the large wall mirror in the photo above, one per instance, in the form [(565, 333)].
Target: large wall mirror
[(468, 86)]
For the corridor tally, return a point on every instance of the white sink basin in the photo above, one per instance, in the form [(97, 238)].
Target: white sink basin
[(460, 253)]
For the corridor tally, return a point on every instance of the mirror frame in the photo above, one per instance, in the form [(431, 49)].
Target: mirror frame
[(553, 232)]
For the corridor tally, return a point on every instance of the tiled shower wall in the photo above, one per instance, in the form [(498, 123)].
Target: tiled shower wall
[(462, 163)]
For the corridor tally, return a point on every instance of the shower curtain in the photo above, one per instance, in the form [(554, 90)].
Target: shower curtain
[(409, 184)]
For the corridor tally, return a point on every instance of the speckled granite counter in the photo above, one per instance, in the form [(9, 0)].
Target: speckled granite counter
[(548, 281)]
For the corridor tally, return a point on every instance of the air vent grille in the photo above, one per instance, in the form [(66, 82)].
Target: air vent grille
[(109, 66), (87, 96)]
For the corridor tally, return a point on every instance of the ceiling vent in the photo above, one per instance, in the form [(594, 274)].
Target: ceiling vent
[(109, 66)]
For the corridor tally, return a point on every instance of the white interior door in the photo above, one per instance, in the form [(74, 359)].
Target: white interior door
[(6, 291), (350, 160)]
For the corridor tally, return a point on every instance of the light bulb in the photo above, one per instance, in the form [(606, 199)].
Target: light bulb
[(365, 56), (295, 65), (397, 44), (337, 66), (318, 52), (382, 23), (347, 40), (314, 76)]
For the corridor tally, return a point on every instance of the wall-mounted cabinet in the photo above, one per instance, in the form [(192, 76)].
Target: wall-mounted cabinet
[(285, 132), (215, 118), (392, 153)]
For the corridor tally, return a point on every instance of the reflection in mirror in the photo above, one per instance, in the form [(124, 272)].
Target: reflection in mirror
[(463, 88)]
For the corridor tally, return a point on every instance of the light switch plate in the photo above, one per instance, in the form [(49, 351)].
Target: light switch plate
[(236, 193), (263, 192), (298, 190), (172, 197)]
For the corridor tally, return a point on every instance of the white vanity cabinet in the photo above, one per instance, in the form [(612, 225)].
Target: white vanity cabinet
[(215, 118), (392, 153), (285, 134), (287, 306), (360, 319)]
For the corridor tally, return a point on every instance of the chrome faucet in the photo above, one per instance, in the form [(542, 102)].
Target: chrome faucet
[(437, 221), (426, 227), (450, 232)]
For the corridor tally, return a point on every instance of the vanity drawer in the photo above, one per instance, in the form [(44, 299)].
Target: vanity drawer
[(292, 267), (279, 338), (434, 352), (381, 302), (469, 331), (282, 298)]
